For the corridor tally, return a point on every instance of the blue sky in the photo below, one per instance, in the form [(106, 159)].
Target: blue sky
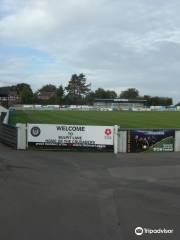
[(117, 44)]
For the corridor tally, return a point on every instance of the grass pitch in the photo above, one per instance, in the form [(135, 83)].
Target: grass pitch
[(123, 119)]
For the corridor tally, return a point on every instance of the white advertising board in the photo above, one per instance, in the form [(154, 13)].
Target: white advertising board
[(70, 135)]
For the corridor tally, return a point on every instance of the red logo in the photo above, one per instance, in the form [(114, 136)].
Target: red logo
[(108, 131)]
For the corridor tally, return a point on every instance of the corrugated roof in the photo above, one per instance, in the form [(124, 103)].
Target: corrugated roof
[(119, 100)]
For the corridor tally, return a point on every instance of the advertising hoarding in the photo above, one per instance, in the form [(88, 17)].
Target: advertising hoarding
[(151, 140), (51, 135)]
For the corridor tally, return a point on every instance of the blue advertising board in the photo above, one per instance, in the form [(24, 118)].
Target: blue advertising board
[(155, 140)]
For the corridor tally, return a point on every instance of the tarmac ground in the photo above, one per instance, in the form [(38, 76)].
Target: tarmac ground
[(88, 196)]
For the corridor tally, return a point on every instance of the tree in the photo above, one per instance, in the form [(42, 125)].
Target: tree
[(60, 94), (77, 89), (161, 101), (158, 101), (48, 88), (90, 98), (111, 94), (130, 93), (26, 96), (35, 99), (20, 86), (100, 93), (108, 94), (84, 88), (24, 91)]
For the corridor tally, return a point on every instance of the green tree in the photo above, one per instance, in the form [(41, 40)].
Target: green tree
[(161, 101), (130, 93), (26, 95), (111, 94), (158, 101), (35, 99), (84, 88), (148, 100), (105, 94), (24, 91), (21, 86), (60, 94), (100, 93), (77, 89), (48, 88), (90, 98)]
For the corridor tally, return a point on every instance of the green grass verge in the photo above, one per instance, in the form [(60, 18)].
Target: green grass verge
[(123, 119)]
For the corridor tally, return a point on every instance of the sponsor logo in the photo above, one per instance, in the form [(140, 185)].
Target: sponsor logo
[(35, 131), (107, 131)]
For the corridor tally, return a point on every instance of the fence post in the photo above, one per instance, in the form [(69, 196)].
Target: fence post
[(116, 139), (21, 136), (122, 141), (177, 141)]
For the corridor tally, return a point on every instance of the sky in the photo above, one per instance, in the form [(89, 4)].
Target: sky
[(117, 44)]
